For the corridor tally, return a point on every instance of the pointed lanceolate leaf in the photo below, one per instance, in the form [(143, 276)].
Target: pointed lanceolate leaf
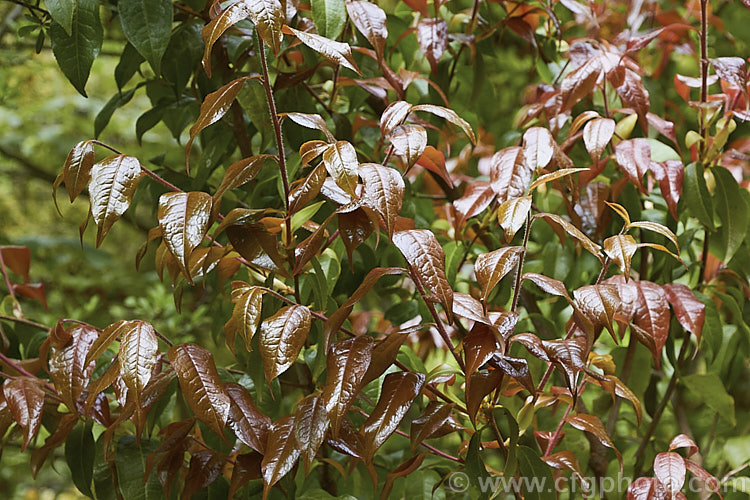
[(652, 313), (240, 173), (281, 453), (512, 215), (538, 147), (634, 157), (558, 222), (213, 108), (433, 418), (346, 366), (384, 191), (184, 218), (329, 17), (432, 35), (596, 135), (336, 52), (476, 198), (491, 267), (434, 161), (77, 169), (393, 116), (599, 303), (268, 17), (451, 116), (689, 311), (509, 174), (25, 399), (281, 339), (669, 469), (307, 189), (113, 184), (557, 174), (341, 162), (479, 346), (311, 120), (370, 21), (592, 424), (247, 422), (733, 210), (139, 349), (246, 313), (549, 285), (80, 454), (424, 254), (621, 248), (201, 386), (68, 368), (310, 425), (409, 141), (77, 45), (670, 175), (218, 25), (399, 391), (147, 25)]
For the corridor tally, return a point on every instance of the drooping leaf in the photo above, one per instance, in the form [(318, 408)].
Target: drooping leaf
[(268, 17), (409, 141), (512, 215), (482, 383), (246, 312), (239, 173), (479, 346), (257, 245), (218, 25), (579, 83), (329, 17), (434, 417), (77, 169), (634, 157), (732, 70), (313, 121), (621, 248), (509, 174), (476, 198), (383, 356), (310, 425), (393, 116), (246, 468), (247, 422), (281, 453), (669, 469), (432, 35), (538, 147), (517, 368), (592, 424), (113, 184), (336, 52), (599, 303), (434, 161), (76, 43), (79, 455), (491, 267), (184, 218), (549, 285), (58, 436), (399, 391), (596, 135), (384, 191), (424, 254), (670, 175), (281, 339), (557, 174), (341, 162), (403, 470), (205, 466), (689, 311), (67, 367), (139, 349), (147, 25), (201, 386), (307, 190), (732, 208), (656, 228), (25, 399), (213, 108), (652, 313), (697, 199), (450, 115), (370, 21), (558, 222), (346, 365)]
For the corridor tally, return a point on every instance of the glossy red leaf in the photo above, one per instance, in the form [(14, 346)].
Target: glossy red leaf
[(239, 173), (212, 31), (184, 219), (310, 425), (350, 441), (409, 141), (268, 17), (560, 224), (393, 116), (307, 189), (346, 366), (652, 313), (281, 339), (77, 169), (732, 70), (246, 468), (139, 350), (355, 227), (424, 254), (669, 469), (480, 384), (631, 90), (592, 424), (383, 356), (517, 368), (245, 319), (683, 441), (68, 368), (25, 399), (509, 174), (670, 175), (432, 35), (399, 391), (711, 482), (201, 386), (434, 417), (538, 147), (247, 422), (491, 267), (476, 198), (599, 303), (281, 453), (449, 115), (311, 120), (113, 184), (384, 192), (257, 245), (17, 259), (205, 467), (634, 157), (579, 83), (621, 248), (690, 312), (336, 52), (371, 22), (213, 108), (434, 161), (549, 285), (596, 135), (646, 488), (479, 346)]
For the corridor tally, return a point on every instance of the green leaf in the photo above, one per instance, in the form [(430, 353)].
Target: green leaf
[(62, 13), (475, 470), (710, 389), (130, 61), (533, 468), (147, 25), (130, 460), (118, 100), (329, 17), (695, 194), (79, 454), (732, 210), (75, 51)]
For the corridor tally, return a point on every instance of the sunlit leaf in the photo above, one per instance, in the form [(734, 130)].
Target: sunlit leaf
[(408, 141), (538, 147), (370, 21), (509, 174), (393, 116), (336, 52), (281, 339), (669, 469), (313, 121), (77, 169), (113, 184), (384, 191), (491, 267), (621, 248), (341, 162), (634, 157), (201, 386), (246, 312), (596, 135), (432, 35), (399, 391), (25, 399), (450, 115), (310, 425), (184, 218), (67, 367), (307, 190), (247, 422), (281, 454)]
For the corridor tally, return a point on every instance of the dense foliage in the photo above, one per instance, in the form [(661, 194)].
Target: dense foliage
[(442, 249)]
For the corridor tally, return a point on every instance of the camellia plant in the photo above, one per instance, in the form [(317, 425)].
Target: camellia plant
[(420, 294)]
